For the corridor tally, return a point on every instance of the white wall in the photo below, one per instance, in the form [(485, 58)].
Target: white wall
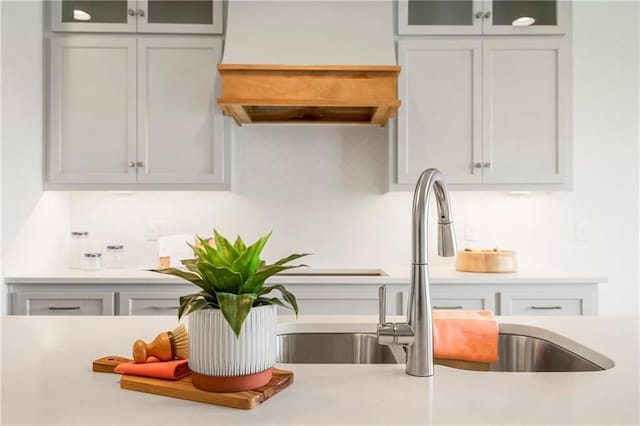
[(32, 222), (321, 189)]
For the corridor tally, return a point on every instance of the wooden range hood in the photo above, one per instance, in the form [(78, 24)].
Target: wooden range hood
[(331, 94)]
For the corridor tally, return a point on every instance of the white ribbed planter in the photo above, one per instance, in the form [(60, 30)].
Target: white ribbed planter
[(216, 352)]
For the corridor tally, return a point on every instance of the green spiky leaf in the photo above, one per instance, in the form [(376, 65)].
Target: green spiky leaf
[(254, 283), (239, 245), (225, 249), (235, 308), (287, 295)]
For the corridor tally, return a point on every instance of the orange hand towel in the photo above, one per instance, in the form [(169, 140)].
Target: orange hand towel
[(172, 370), (465, 335)]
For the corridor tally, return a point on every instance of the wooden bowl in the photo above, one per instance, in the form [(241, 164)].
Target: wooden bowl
[(486, 261)]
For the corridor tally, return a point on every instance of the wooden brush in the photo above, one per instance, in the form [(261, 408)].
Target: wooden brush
[(166, 346)]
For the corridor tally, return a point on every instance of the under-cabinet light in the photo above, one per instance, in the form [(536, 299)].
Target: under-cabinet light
[(523, 21), (81, 15)]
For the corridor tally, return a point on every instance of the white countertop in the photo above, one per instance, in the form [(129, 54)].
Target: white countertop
[(438, 275), (47, 379)]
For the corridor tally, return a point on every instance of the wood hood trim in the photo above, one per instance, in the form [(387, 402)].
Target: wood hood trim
[(332, 94)]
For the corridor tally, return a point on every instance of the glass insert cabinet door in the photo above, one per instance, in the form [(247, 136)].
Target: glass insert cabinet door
[(440, 16), (482, 16), (148, 16), (93, 15), (525, 16), (181, 16)]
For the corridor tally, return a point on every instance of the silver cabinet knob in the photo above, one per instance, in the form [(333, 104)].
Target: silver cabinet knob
[(478, 15), (131, 12), (487, 15), (140, 164), (132, 163), (487, 165), (140, 12), (477, 165)]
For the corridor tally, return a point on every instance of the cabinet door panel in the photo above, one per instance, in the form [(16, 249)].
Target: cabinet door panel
[(92, 113), (180, 16), (439, 122), (93, 15), (439, 17), (179, 123), (549, 16), (525, 115)]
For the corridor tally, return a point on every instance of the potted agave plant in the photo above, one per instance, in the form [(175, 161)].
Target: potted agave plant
[(232, 320)]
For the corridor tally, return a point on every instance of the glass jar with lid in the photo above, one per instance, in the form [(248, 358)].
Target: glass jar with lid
[(114, 257), (79, 246), (92, 261)]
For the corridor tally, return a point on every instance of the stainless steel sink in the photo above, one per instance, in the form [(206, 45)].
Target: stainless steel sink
[(520, 349)]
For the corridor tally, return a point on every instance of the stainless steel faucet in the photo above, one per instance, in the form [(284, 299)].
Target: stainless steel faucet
[(417, 334)]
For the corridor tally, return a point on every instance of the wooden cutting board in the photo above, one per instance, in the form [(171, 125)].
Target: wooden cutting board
[(184, 389)]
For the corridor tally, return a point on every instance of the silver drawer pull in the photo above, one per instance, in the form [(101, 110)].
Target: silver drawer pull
[(64, 308), (449, 307), (545, 307), (163, 308)]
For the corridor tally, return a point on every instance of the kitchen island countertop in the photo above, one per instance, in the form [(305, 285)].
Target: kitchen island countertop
[(392, 275), (47, 379)]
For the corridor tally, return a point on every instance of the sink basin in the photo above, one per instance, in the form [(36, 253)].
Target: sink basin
[(520, 348)]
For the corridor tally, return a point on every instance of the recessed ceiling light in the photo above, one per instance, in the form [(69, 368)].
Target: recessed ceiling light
[(523, 21), (81, 15)]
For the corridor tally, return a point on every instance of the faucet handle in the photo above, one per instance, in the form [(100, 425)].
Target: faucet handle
[(382, 305)]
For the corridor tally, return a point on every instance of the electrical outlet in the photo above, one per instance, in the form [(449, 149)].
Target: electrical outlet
[(155, 229), (581, 231)]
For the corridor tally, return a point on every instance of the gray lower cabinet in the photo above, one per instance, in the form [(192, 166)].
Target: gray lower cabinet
[(148, 303), (530, 299), (57, 303), (560, 302)]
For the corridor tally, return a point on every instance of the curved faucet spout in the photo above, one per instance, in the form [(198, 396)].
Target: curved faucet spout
[(432, 180)]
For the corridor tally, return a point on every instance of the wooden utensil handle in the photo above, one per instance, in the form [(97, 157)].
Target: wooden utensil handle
[(159, 348), (108, 363)]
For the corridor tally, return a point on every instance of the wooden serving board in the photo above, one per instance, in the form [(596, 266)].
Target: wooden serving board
[(486, 261), (184, 389)]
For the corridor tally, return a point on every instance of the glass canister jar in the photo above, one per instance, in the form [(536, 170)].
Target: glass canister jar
[(92, 261), (79, 246), (114, 257)]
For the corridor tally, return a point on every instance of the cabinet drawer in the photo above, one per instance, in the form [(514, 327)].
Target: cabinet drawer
[(474, 304), (475, 299), (542, 303), (63, 304), (149, 303)]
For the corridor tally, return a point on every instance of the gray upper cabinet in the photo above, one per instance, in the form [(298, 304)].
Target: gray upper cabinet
[(135, 112), (179, 124), (483, 16), (439, 121), (526, 110), (490, 112), (146, 16), (92, 110)]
